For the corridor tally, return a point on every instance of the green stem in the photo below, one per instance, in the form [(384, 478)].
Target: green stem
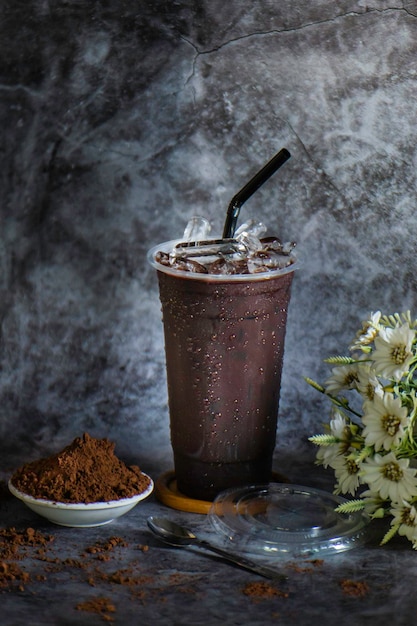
[(343, 404)]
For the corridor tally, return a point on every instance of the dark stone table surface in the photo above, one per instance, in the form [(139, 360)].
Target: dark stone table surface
[(126, 576)]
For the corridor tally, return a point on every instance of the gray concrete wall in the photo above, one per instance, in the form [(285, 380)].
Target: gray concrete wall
[(120, 120)]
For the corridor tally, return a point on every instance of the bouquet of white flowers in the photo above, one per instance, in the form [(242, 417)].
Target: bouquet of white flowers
[(372, 446)]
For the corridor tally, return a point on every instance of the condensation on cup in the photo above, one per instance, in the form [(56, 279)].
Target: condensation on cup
[(224, 307)]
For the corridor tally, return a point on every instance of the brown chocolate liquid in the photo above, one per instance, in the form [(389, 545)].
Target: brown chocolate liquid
[(224, 344)]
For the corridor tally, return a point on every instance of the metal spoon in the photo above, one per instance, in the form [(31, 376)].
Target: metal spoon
[(177, 535)]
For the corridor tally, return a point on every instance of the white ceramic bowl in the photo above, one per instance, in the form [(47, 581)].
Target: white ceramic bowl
[(81, 515)]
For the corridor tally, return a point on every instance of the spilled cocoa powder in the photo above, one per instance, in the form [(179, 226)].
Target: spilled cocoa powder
[(354, 588), (11, 574), (16, 545), (99, 605), (85, 471), (262, 590)]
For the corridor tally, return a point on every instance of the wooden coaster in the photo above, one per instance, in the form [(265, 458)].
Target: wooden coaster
[(166, 491)]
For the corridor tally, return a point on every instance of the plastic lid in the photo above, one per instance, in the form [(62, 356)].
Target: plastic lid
[(286, 520)]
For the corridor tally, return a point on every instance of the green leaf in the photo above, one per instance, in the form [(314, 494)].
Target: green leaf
[(379, 513), (364, 453), (340, 360), (351, 507), (313, 383), (324, 440), (390, 534)]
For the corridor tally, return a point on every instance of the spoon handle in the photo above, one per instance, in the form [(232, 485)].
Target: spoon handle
[(266, 572)]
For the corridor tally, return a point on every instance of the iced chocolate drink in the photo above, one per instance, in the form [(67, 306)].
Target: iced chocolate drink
[(224, 325)]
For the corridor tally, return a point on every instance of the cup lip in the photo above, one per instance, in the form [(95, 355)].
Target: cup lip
[(215, 278)]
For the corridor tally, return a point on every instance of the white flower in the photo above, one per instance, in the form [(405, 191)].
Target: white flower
[(368, 383), (338, 426), (384, 419), (366, 335), (374, 505), (343, 377), (375, 451), (347, 473), (392, 355), (389, 477), (340, 430), (405, 515)]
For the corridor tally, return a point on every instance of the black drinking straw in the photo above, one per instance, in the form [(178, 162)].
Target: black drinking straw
[(253, 185)]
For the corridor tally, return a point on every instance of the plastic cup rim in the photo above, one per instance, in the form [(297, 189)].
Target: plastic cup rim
[(261, 276)]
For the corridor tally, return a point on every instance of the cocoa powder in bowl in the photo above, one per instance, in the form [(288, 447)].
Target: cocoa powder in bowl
[(85, 471)]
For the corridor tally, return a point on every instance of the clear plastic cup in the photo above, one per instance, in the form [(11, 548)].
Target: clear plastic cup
[(224, 346)]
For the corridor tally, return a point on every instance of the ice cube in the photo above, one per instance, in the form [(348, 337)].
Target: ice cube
[(228, 265), (275, 245), (288, 247), (251, 242), (188, 265), (253, 227), (163, 258), (220, 266), (271, 243), (198, 228), (266, 261), (210, 247)]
